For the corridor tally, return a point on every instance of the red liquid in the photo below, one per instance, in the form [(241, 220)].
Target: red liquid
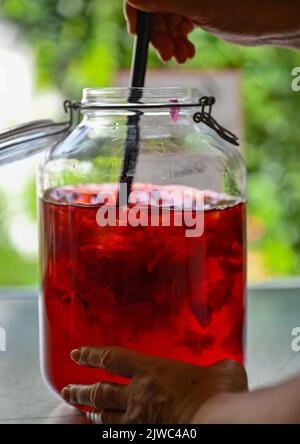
[(151, 289)]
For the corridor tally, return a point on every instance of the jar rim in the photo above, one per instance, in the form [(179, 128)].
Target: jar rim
[(120, 95)]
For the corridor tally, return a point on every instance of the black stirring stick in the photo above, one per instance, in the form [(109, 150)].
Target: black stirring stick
[(138, 71), (140, 50)]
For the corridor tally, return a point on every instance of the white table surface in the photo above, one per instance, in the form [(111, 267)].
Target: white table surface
[(272, 314)]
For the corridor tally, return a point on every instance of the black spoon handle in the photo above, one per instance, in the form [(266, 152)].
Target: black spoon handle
[(138, 71), (140, 50)]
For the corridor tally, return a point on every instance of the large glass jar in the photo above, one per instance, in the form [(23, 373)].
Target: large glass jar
[(171, 284)]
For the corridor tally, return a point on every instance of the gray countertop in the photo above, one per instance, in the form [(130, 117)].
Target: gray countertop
[(272, 314)]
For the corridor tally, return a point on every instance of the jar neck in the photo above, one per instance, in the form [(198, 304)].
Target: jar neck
[(113, 101)]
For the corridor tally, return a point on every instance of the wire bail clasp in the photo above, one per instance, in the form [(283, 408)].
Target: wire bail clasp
[(205, 116), (69, 108)]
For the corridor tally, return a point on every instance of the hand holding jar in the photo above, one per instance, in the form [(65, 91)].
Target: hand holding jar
[(161, 391)]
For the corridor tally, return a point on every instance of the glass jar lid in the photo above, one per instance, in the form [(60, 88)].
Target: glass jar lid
[(30, 138)]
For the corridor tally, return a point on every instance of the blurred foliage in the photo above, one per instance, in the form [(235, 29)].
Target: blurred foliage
[(15, 269), (82, 43)]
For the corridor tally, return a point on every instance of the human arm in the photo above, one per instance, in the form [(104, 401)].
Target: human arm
[(259, 22)]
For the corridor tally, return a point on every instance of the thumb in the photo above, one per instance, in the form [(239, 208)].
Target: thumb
[(157, 6)]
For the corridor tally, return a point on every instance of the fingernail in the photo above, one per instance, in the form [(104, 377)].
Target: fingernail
[(65, 393), (95, 417), (75, 354)]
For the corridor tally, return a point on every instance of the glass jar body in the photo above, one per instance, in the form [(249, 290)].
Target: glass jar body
[(163, 274)]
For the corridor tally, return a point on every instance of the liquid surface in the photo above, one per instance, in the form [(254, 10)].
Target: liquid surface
[(149, 288)]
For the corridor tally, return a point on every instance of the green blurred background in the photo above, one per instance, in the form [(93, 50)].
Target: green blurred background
[(79, 43)]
